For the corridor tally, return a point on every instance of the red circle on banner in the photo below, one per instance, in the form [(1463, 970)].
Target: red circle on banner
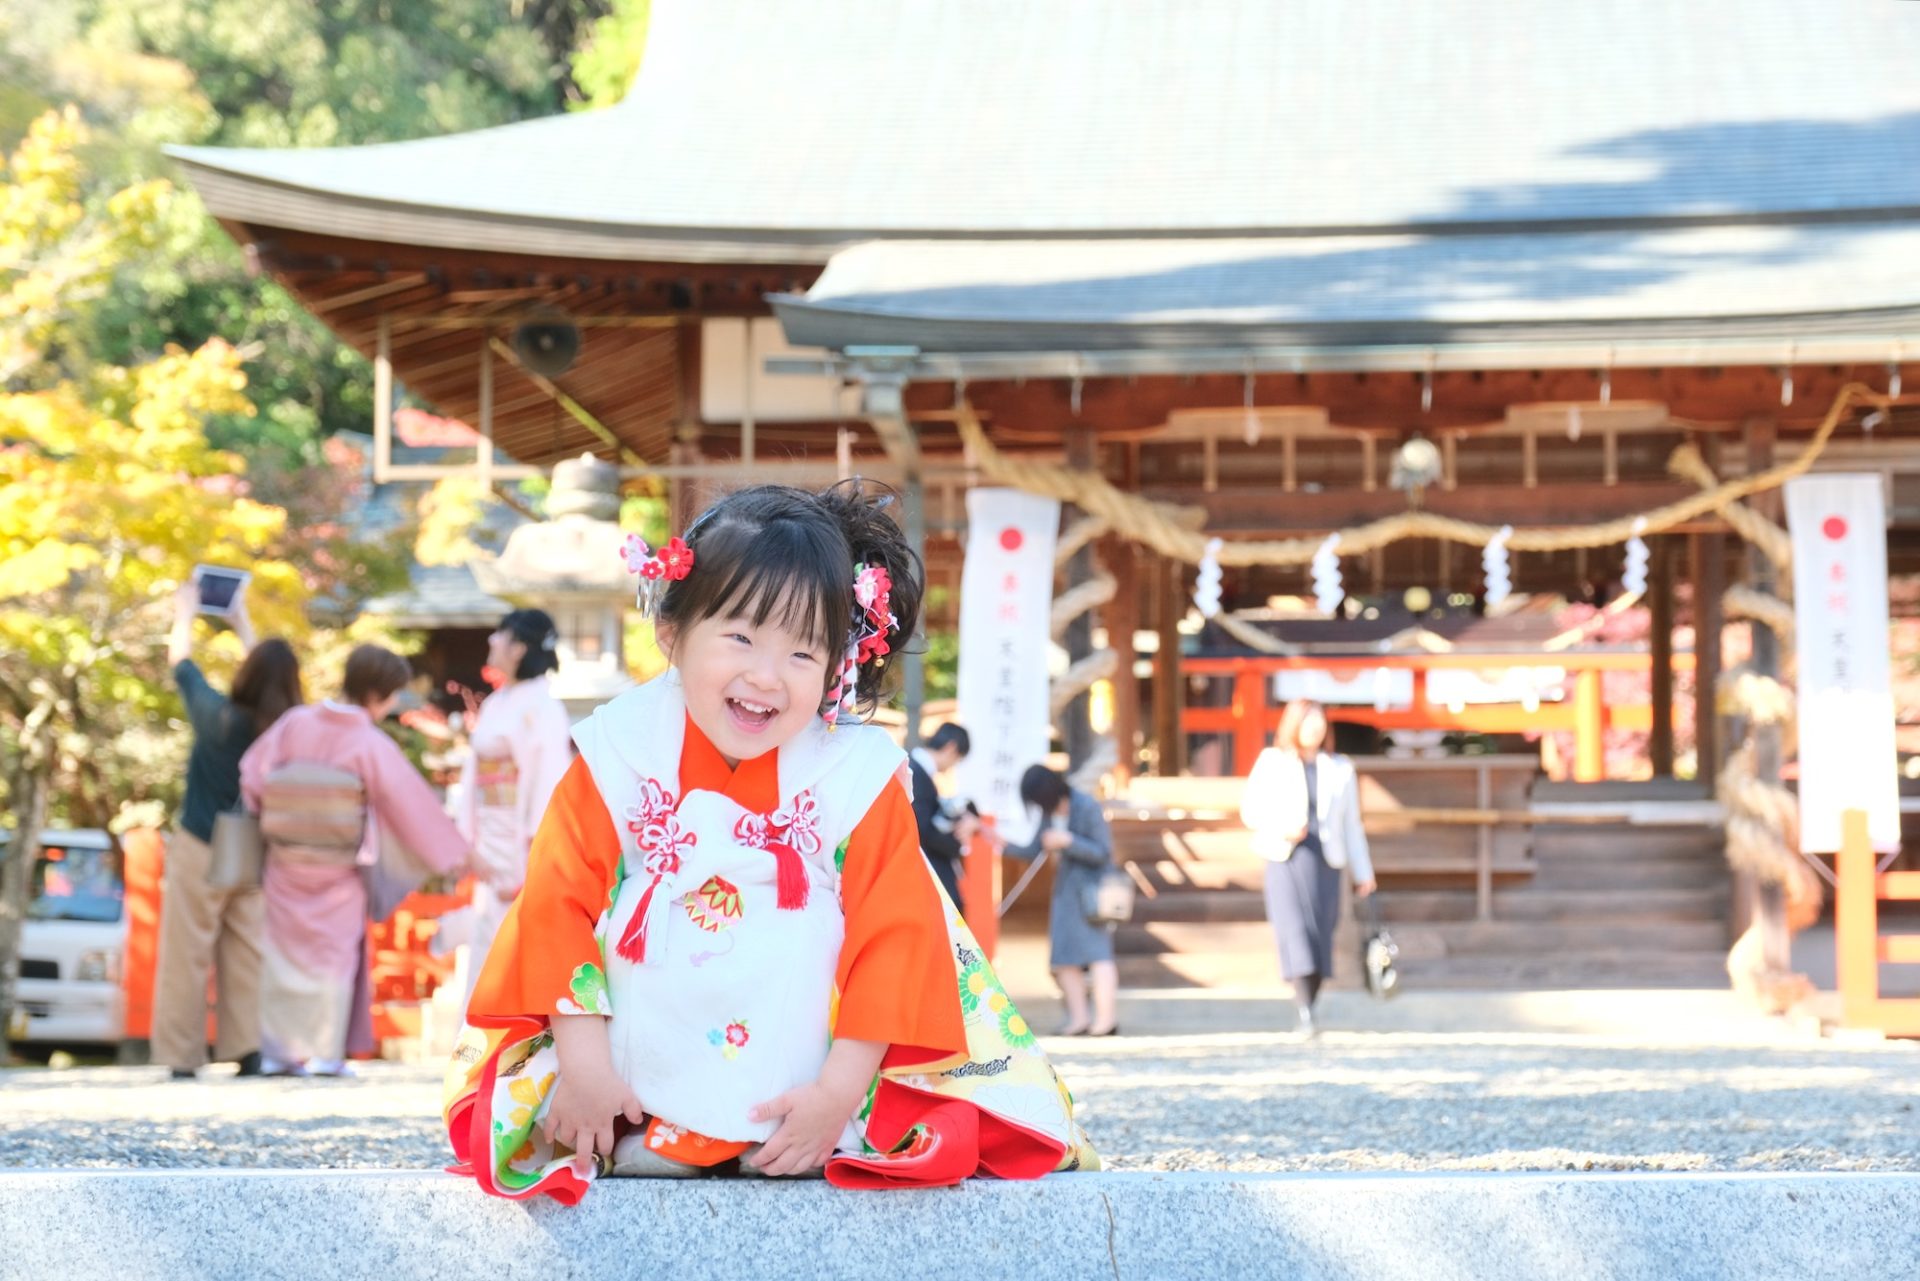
[(1834, 527), (1011, 538)]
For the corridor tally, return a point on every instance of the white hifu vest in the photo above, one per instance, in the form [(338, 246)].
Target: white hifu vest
[(730, 1006)]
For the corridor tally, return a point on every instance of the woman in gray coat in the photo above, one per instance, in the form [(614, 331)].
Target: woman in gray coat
[(1302, 805), (1073, 826)]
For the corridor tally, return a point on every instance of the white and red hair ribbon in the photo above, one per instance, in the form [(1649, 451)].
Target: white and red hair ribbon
[(866, 639)]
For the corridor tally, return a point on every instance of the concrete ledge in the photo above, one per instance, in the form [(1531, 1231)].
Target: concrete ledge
[(388, 1225)]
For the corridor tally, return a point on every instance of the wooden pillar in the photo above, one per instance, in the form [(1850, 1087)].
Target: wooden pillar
[(1249, 720), (1076, 728), (684, 499), (1589, 728), (1660, 646), (1709, 585), (1169, 688), (1123, 620), (383, 400), (913, 664), (1856, 923), (1775, 939)]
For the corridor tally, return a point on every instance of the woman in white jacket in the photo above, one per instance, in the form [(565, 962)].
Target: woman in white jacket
[(1303, 808), (521, 744)]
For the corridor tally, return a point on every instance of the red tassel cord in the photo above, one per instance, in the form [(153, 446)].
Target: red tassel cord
[(790, 873), (633, 941)]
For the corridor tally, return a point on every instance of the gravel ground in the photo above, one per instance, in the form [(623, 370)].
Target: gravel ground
[(1349, 1101)]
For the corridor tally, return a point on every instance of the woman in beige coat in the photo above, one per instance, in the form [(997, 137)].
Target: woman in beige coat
[(1303, 806)]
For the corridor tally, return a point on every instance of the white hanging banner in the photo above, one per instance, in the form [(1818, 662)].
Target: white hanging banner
[(1847, 755), (1006, 600)]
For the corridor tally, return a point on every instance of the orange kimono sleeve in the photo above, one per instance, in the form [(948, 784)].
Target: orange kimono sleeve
[(896, 972), (546, 960)]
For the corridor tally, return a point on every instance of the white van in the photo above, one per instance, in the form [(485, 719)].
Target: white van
[(74, 941)]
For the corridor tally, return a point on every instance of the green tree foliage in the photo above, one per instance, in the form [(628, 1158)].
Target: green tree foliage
[(610, 59), (288, 73), (109, 494)]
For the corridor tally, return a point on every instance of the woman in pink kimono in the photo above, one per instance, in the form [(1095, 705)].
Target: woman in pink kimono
[(522, 745), (336, 798)]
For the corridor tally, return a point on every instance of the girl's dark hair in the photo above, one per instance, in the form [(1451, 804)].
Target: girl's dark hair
[(373, 672), (535, 629), (1044, 788), (774, 548), (268, 683)]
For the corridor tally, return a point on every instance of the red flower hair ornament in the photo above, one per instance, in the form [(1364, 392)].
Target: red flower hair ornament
[(670, 564)]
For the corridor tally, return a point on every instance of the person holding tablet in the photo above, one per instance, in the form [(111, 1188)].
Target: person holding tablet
[(202, 927)]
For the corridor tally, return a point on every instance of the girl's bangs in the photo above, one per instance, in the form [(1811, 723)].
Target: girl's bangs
[(781, 580)]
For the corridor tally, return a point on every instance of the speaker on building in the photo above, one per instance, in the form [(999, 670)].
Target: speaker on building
[(547, 344)]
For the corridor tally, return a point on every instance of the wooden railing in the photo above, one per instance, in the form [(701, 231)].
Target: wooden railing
[(1861, 888), (1403, 823), (1252, 716)]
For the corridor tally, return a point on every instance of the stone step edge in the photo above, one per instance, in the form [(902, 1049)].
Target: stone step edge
[(397, 1224)]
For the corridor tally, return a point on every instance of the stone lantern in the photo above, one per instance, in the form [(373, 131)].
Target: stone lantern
[(571, 565)]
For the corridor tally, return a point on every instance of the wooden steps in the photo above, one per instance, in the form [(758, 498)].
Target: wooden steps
[(1586, 901)]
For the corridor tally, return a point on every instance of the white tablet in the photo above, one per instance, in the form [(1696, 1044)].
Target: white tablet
[(220, 588)]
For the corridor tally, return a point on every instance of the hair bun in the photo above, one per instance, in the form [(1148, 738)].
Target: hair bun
[(865, 513)]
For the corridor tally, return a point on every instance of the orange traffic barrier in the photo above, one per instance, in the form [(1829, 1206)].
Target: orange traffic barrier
[(1861, 889), (144, 855), (980, 887)]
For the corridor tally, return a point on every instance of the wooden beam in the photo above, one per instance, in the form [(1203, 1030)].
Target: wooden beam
[(1123, 620), (1589, 729), (1660, 643), (1169, 689), (579, 412), (383, 402), (1076, 728), (1387, 404), (1709, 585)]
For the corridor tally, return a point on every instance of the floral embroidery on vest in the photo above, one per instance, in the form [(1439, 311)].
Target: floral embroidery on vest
[(662, 842), (791, 834), (731, 1039)]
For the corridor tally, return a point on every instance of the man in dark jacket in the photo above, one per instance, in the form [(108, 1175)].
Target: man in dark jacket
[(943, 839)]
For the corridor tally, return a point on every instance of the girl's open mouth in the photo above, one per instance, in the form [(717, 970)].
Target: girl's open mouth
[(750, 716)]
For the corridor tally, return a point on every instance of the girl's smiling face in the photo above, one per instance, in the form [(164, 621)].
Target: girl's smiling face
[(750, 687)]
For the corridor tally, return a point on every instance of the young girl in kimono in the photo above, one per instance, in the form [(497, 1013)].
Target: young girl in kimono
[(519, 749), (729, 954)]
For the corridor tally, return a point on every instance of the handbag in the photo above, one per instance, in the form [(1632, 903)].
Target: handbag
[(238, 849), (395, 873), (1378, 952), (1109, 900)]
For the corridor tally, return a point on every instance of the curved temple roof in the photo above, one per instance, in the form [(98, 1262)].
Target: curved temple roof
[(760, 132), (1713, 180)]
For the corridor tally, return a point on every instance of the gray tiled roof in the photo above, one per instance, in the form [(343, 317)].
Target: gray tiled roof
[(1693, 286), (785, 130), (440, 596)]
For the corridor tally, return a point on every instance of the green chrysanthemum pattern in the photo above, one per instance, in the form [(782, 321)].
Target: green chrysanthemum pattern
[(589, 989), (1014, 1028), (976, 986)]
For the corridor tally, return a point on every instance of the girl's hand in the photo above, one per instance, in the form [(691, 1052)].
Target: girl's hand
[(1055, 839), (814, 1117), (1364, 888), (186, 600), (590, 1094), (585, 1106)]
